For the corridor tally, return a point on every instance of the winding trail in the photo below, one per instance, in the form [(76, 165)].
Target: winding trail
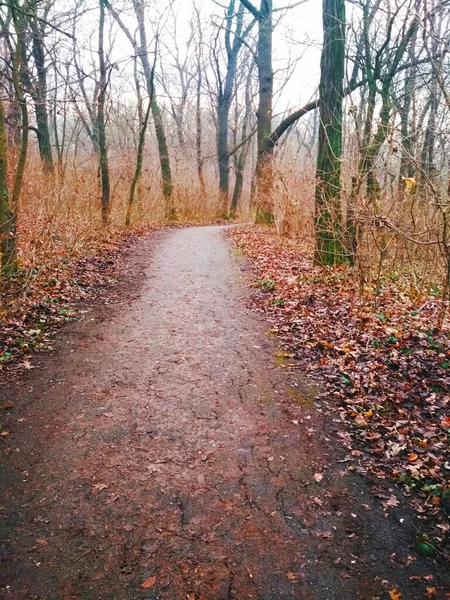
[(164, 441)]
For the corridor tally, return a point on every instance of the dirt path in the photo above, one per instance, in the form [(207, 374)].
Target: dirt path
[(162, 443)]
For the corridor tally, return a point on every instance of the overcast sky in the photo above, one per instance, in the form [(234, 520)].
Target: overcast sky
[(297, 37)]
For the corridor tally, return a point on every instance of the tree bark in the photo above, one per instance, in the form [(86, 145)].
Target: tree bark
[(241, 155), (264, 161), (17, 70), (39, 93), (101, 124), (329, 243), (161, 139), (7, 221), (263, 197), (138, 169), (198, 133), (224, 100)]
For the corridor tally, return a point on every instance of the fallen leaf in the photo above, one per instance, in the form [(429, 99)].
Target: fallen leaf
[(318, 477), (293, 578), (98, 487), (445, 423), (390, 502), (42, 541), (394, 594), (150, 582)]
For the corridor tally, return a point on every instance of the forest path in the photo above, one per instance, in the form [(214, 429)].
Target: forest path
[(164, 443)]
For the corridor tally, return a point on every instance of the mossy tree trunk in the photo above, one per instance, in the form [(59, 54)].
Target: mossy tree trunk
[(328, 225), (7, 220), (19, 22), (264, 162)]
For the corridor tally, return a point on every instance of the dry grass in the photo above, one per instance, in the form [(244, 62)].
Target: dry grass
[(59, 217), (411, 255)]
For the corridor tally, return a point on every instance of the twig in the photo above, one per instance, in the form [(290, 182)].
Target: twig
[(85, 554)]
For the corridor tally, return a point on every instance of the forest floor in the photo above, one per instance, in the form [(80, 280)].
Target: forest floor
[(165, 448)]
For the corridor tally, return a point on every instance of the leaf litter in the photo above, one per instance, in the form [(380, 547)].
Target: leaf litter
[(380, 364), (35, 304)]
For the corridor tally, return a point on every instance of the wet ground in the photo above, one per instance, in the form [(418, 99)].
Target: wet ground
[(164, 449)]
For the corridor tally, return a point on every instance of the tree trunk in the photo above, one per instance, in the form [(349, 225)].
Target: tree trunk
[(198, 136), (161, 139), (101, 126), (241, 155), (407, 168), (7, 221), (223, 156), (40, 94), (428, 148), (264, 162), (329, 243), (138, 169), (17, 69), (224, 101)]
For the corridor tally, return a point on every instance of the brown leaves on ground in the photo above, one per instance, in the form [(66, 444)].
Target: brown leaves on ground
[(378, 356), (36, 302)]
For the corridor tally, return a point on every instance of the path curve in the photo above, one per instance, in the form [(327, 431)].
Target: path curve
[(164, 443)]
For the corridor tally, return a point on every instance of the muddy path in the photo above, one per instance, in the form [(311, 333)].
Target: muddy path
[(164, 442)]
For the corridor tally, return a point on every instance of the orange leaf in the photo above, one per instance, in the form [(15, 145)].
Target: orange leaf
[(445, 423), (293, 577), (394, 594), (413, 456), (149, 583)]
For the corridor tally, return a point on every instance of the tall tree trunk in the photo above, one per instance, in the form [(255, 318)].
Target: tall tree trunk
[(407, 168), (40, 93), (223, 156), (7, 221), (263, 190), (138, 169), (17, 71), (101, 121), (329, 243), (198, 133), (224, 101), (161, 139), (429, 141), (264, 162), (241, 154)]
